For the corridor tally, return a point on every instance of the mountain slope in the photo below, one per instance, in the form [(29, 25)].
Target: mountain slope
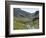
[(25, 20), (19, 12)]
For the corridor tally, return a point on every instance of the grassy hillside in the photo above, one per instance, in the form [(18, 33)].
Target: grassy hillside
[(25, 23)]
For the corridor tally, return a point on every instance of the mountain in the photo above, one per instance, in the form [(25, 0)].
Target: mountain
[(36, 15), (20, 13), (25, 20)]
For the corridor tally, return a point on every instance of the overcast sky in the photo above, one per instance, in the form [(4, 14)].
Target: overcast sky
[(30, 10)]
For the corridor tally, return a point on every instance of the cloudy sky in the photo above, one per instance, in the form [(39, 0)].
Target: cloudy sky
[(30, 10)]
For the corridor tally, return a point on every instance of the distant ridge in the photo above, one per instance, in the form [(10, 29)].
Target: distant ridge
[(20, 13)]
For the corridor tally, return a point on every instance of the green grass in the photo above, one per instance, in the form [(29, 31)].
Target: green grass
[(21, 23), (35, 23)]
